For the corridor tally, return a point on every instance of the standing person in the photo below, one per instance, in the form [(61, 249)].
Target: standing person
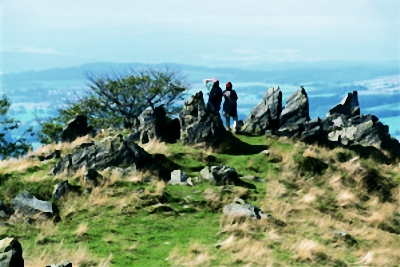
[(214, 95), (230, 106)]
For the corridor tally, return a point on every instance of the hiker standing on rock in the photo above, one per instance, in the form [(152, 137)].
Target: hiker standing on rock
[(214, 95), (229, 108)]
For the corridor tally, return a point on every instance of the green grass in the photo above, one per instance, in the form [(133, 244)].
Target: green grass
[(135, 237)]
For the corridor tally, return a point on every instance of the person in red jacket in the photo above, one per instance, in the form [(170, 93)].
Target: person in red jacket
[(229, 108)]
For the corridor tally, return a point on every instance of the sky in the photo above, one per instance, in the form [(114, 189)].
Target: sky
[(42, 34)]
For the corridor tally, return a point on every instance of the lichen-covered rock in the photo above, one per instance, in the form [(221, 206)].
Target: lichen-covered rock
[(265, 116), (348, 107), (111, 151), (239, 208), (30, 206), (11, 253), (220, 175), (200, 125)]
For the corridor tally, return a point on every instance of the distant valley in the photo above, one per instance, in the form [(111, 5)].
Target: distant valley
[(41, 93)]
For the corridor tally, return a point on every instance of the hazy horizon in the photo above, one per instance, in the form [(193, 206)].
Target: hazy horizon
[(38, 35)]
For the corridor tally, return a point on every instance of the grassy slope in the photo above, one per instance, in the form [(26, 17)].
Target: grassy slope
[(113, 226)]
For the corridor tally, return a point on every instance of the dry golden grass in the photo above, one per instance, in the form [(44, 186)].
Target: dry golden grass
[(156, 146), (309, 250), (195, 255), (81, 230), (19, 165), (55, 253)]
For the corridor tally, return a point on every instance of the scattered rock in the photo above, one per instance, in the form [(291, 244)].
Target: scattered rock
[(220, 175), (345, 236), (75, 128), (265, 152), (30, 206), (162, 208), (200, 125), (239, 208), (64, 263), (265, 116), (178, 177), (252, 178), (60, 189), (11, 253)]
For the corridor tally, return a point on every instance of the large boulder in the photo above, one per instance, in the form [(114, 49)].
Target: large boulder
[(348, 107), (239, 208), (265, 116), (220, 175), (295, 114), (199, 124), (11, 253), (111, 151), (30, 206), (77, 127)]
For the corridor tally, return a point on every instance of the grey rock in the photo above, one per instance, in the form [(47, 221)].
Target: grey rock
[(111, 151), (200, 125), (56, 154), (348, 107), (5, 212), (239, 208), (265, 116), (60, 190), (295, 114), (93, 178), (64, 263), (178, 177), (77, 127), (29, 205), (11, 253), (313, 131), (220, 175)]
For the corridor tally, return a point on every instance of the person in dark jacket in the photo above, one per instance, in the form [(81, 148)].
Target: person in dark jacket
[(214, 96), (229, 108)]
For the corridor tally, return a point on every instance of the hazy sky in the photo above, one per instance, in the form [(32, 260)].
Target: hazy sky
[(212, 33)]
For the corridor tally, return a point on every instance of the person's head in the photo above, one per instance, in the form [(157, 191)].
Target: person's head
[(216, 83), (228, 86)]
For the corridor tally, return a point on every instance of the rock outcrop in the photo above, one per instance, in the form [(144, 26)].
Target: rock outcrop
[(265, 116), (64, 263), (4, 211), (111, 151), (77, 127), (155, 124), (348, 107), (30, 206), (60, 189), (295, 114), (11, 253), (200, 125)]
